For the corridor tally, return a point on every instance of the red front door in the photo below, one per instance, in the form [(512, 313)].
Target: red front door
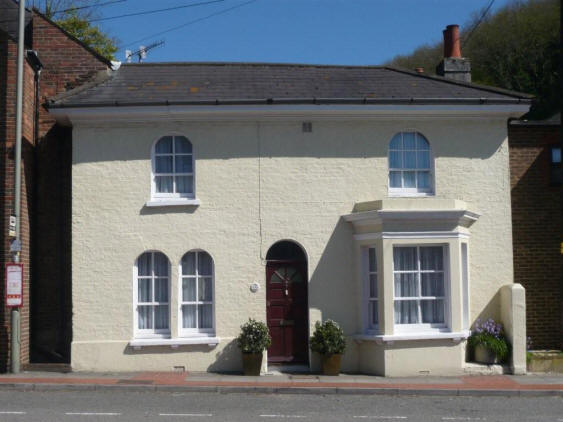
[(286, 313)]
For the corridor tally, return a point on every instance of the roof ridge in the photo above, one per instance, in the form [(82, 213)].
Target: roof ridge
[(280, 64)]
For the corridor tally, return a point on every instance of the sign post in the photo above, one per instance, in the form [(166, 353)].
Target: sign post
[(14, 299)]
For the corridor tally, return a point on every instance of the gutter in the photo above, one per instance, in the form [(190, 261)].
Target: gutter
[(314, 101)]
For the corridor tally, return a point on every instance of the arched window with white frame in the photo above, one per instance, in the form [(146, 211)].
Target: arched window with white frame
[(410, 165), (173, 168), (196, 294), (152, 295)]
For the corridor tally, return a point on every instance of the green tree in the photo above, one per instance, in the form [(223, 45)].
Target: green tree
[(516, 48), (74, 17), (89, 34)]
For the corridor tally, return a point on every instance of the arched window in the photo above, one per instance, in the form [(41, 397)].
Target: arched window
[(410, 165), (152, 295), (196, 293), (173, 168)]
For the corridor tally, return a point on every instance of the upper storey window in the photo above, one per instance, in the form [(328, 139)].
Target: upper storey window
[(410, 165), (173, 168)]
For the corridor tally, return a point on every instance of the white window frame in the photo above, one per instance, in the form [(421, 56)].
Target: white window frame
[(156, 196), (369, 328), (402, 191), (196, 332), (425, 327), (149, 333)]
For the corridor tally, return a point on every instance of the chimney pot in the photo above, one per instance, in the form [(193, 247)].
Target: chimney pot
[(453, 66), (451, 42)]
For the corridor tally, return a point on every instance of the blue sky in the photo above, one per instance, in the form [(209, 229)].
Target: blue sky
[(296, 31)]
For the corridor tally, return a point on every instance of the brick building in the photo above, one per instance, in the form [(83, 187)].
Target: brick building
[(55, 62), (535, 171)]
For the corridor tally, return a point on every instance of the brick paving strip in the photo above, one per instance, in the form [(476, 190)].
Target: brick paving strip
[(180, 381)]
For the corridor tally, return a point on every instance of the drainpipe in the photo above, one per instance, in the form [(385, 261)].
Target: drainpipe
[(15, 329)]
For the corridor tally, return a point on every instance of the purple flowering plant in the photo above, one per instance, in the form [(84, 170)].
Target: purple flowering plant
[(490, 334)]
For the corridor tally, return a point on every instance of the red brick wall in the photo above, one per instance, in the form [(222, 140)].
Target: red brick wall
[(8, 55), (536, 222)]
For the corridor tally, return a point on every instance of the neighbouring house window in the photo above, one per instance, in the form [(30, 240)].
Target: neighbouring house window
[(556, 175), (196, 293), (419, 286), (152, 295), (371, 290), (410, 165), (173, 168)]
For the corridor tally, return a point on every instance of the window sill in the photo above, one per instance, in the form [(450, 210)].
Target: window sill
[(173, 202), (398, 194), (174, 343), (380, 338)]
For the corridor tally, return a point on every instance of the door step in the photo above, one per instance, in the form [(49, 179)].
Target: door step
[(278, 369)]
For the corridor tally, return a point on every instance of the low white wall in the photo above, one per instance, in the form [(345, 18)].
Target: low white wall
[(513, 317)]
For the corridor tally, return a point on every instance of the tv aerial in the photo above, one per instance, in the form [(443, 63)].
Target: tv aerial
[(141, 53)]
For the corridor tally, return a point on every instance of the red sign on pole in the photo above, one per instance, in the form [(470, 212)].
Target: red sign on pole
[(14, 285)]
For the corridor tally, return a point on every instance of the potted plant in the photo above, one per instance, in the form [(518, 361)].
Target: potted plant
[(253, 339), (328, 341), (488, 342)]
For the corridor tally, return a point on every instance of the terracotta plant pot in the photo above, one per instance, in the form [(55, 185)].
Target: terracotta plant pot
[(484, 355), (331, 364), (251, 363)]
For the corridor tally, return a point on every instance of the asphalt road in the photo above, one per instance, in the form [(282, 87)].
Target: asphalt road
[(211, 407)]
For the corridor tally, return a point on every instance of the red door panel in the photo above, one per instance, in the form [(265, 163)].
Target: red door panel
[(287, 311)]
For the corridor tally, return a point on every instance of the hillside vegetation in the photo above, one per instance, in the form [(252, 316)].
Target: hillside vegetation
[(516, 48)]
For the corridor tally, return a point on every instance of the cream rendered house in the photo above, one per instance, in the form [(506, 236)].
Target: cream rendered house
[(207, 193)]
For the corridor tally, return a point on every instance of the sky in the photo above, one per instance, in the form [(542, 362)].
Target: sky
[(353, 32)]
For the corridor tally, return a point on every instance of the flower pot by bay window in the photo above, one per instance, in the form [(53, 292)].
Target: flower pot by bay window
[(484, 355)]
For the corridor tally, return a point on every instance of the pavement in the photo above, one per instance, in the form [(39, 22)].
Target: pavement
[(296, 383)]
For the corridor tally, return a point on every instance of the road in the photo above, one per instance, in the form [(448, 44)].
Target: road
[(118, 406)]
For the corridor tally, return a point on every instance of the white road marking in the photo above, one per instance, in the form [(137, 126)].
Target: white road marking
[(185, 414), (11, 413), (461, 418), (92, 414), (379, 417), (282, 416)]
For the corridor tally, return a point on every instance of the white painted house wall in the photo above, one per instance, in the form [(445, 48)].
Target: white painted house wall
[(260, 181)]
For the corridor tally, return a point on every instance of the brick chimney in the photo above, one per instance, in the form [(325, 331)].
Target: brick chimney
[(453, 66)]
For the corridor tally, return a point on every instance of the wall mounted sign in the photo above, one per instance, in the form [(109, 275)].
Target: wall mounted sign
[(14, 285)]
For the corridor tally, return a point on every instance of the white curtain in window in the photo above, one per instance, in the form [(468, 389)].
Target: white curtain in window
[(153, 291), (419, 284)]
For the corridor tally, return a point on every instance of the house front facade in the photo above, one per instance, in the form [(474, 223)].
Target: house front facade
[(205, 194)]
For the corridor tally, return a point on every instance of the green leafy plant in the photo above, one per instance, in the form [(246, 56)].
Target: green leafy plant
[(328, 338), (490, 335), (254, 337)]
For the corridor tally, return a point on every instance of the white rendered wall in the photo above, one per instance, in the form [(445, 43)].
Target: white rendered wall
[(260, 182)]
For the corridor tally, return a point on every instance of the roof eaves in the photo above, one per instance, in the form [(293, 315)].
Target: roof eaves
[(59, 103)]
